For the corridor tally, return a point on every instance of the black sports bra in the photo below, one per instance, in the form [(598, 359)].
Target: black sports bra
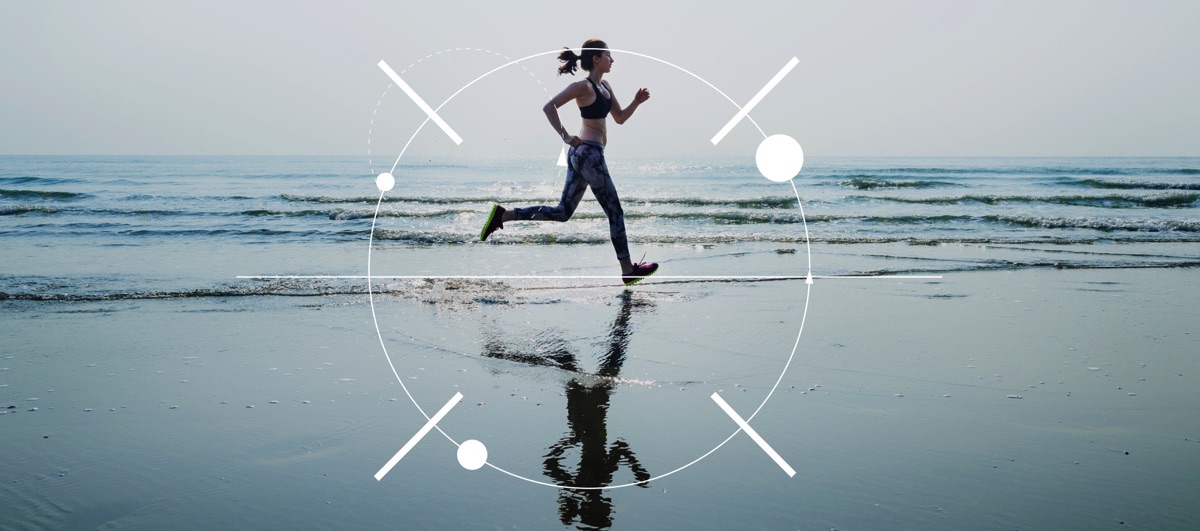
[(599, 108)]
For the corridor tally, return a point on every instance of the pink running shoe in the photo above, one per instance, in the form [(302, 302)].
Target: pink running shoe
[(640, 270)]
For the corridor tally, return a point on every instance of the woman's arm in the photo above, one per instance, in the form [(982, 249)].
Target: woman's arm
[(620, 114), (551, 109)]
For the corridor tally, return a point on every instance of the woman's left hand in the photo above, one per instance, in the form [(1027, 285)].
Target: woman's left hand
[(641, 96)]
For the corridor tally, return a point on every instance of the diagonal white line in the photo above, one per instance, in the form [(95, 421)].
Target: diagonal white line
[(417, 438), (420, 102), (754, 101), (754, 435)]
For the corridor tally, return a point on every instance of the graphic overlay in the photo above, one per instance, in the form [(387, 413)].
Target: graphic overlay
[(780, 160)]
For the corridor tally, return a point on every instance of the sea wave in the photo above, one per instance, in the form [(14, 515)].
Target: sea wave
[(27, 209), (868, 182), (432, 237), (123, 212), (479, 289), (40, 194), (754, 202), (227, 232), (490, 291), (371, 214), (29, 179), (716, 217), (1168, 200), (226, 292), (1169, 232), (1127, 185), (1101, 224), (1037, 170)]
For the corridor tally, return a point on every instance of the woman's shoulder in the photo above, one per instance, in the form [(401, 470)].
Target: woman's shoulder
[(579, 88)]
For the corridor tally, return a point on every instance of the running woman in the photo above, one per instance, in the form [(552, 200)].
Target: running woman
[(585, 158)]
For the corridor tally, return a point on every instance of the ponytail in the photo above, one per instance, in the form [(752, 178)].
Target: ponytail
[(569, 60), (591, 48)]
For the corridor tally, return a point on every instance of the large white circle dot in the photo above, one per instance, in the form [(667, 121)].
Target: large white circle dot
[(385, 182), (472, 454), (779, 158)]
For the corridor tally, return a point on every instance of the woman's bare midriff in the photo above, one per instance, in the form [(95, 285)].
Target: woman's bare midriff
[(595, 130)]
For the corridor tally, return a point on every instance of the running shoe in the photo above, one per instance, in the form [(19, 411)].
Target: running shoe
[(494, 223), (640, 270)]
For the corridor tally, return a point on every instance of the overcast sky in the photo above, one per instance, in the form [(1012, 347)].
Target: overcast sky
[(875, 78)]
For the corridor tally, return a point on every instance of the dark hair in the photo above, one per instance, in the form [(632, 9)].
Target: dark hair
[(591, 48)]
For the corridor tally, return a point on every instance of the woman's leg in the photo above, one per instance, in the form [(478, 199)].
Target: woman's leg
[(572, 194), (589, 161)]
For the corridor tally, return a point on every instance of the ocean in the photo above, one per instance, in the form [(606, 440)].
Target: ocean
[(987, 343), (81, 228)]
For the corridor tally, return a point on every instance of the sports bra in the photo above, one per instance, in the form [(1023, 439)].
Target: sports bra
[(599, 108)]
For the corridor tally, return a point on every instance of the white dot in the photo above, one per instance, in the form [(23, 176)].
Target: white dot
[(472, 454), (385, 182), (779, 158)]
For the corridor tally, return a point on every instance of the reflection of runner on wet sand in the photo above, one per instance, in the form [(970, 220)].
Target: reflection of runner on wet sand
[(587, 410)]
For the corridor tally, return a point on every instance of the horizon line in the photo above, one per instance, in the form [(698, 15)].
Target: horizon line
[(581, 277)]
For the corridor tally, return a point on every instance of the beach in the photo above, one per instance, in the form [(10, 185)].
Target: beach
[(973, 402), (193, 344)]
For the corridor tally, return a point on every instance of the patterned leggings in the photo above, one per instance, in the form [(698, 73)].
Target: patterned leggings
[(586, 167)]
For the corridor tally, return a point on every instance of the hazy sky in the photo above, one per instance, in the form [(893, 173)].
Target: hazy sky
[(875, 78)]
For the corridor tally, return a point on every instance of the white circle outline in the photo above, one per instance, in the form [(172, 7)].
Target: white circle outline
[(379, 333)]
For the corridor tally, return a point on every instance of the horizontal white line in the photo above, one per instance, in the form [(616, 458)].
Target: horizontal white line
[(581, 277), (924, 277)]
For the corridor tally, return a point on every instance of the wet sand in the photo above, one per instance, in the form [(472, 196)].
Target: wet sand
[(986, 400)]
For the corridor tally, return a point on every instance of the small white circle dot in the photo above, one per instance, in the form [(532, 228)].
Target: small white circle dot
[(472, 454), (385, 182), (779, 158)]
